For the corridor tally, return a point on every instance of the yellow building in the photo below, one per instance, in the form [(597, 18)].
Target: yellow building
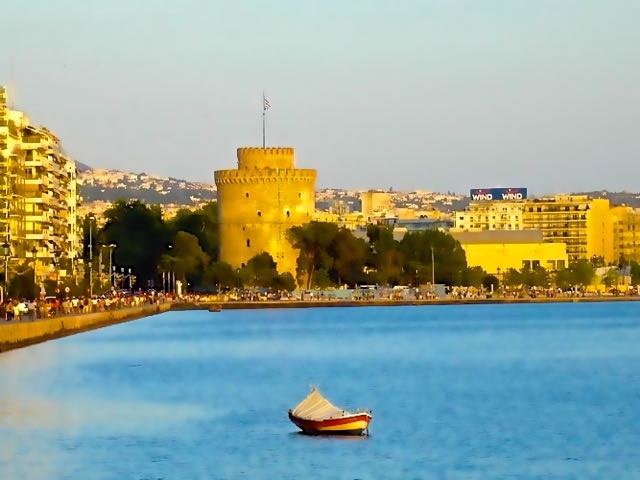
[(582, 223), (497, 251), (12, 224), (626, 233), (492, 215), (375, 202), (40, 196), (259, 202)]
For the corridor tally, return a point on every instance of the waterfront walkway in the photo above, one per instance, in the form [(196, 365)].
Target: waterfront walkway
[(16, 334), (193, 304)]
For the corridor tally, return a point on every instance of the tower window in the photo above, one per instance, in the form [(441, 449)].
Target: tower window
[(299, 194), (246, 194), (259, 213), (248, 242), (288, 213)]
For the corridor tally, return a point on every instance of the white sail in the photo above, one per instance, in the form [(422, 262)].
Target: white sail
[(316, 407)]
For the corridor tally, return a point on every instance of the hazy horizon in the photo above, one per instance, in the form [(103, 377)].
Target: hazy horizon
[(428, 95)]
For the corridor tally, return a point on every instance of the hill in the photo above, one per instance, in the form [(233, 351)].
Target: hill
[(110, 185)]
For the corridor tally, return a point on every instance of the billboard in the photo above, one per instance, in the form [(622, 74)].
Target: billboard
[(498, 193)]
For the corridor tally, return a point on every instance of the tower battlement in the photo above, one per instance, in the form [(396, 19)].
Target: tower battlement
[(266, 175), (271, 157)]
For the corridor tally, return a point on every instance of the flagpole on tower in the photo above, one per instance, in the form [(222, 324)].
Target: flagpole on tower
[(265, 106)]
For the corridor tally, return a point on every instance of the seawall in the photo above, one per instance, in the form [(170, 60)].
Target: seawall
[(233, 305), (20, 334)]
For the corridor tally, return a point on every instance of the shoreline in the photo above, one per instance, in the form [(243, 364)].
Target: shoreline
[(14, 335), (270, 304)]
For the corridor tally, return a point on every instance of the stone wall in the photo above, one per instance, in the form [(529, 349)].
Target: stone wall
[(20, 334)]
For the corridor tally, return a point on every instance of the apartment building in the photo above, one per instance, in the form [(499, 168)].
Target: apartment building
[(497, 215), (583, 224), (626, 234), (39, 198)]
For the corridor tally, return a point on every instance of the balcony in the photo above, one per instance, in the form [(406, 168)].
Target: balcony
[(42, 217)]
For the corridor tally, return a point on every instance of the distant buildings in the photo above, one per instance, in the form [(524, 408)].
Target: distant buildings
[(375, 202), (38, 190), (498, 251), (589, 228), (259, 202)]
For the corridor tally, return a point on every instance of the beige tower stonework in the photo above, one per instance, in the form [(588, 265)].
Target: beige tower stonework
[(259, 202)]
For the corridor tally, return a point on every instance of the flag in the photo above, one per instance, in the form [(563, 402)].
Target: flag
[(265, 103)]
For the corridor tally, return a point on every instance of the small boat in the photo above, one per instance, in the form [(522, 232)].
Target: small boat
[(315, 415)]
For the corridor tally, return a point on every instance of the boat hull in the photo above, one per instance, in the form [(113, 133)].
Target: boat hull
[(354, 424)]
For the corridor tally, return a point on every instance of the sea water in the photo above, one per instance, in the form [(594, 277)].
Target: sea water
[(457, 392)]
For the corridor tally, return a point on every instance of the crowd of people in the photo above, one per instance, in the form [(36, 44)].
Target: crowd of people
[(49, 307)]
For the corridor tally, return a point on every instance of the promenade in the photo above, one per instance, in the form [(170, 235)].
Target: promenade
[(329, 303), (17, 334), (24, 332)]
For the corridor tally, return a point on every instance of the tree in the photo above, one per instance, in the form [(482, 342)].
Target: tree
[(221, 275), (22, 285), (285, 281), (583, 272), (186, 258), (418, 249), (203, 223), (491, 280), (473, 277), (635, 272), (141, 237), (313, 241), (385, 256), (349, 256), (534, 277), (260, 271), (611, 278), (564, 278), (512, 278)]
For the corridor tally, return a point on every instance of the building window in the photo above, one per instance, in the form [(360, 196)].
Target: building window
[(259, 213), (246, 194), (248, 242), (288, 213), (299, 194)]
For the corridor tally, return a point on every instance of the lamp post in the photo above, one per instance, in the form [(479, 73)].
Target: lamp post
[(499, 283), (34, 253), (91, 218), (433, 269), (6, 251), (111, 246)]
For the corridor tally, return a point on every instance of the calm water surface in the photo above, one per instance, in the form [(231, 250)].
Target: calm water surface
[(487, 391)]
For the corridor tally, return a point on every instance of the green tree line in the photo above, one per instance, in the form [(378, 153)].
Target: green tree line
[(187, 245)]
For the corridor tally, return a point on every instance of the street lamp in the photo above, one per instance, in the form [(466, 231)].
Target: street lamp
[(111, 246), (6, 252), (34, 252), (433, 269), (91, 219)]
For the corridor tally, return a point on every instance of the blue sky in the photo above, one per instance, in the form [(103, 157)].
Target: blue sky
[(433, 94)]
